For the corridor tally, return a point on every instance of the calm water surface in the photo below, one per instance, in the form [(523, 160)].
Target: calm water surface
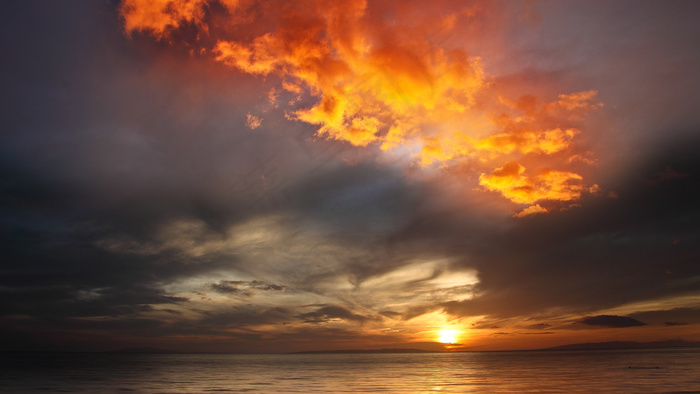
[(628, 371)]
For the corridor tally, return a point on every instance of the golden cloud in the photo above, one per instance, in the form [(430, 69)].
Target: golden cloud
[(511, 181)]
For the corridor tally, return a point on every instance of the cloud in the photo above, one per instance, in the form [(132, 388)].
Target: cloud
[(670, 317), (252, 121), (531, 210), (575, 257), (137, 203), (331, 312), (162, 16), (610, 321), (672, 323), (364, 79), (539, 326), (243, 287), (368, 80), (546, 184)]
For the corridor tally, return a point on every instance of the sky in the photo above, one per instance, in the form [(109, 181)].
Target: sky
[(272, 176)]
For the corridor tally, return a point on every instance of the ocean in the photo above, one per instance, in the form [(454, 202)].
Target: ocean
[(619, 371)]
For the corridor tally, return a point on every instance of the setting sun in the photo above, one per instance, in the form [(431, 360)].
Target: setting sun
[(448, 336)]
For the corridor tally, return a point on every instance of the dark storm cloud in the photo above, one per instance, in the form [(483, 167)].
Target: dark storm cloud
[(611, 321)]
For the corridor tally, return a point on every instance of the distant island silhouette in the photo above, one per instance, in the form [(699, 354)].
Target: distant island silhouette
[(673, 343), (368, 351), (142, 350)]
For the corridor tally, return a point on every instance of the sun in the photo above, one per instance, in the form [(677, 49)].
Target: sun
[(447, 336)]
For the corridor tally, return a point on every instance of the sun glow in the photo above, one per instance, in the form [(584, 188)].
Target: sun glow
[(448, 336)]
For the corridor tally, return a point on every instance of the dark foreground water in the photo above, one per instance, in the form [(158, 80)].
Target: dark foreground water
[(628, 371)]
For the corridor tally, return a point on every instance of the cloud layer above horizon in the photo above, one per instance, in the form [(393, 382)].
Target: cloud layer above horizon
[(266, 176)]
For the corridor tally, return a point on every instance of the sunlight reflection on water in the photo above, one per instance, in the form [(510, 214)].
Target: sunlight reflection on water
[(563, 371)]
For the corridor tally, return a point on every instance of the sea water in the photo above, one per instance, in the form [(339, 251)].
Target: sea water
[(626, 371)]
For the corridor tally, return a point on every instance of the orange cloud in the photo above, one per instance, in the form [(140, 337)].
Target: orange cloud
[(160, 17), (377, 79), (518, 129), (579, 103), (252, 121), (531, 210), (540, 141), (369, 80), (511, 181)]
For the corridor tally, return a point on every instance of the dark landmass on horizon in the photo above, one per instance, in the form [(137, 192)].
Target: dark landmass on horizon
[(143, 350), (367, 351), (611, 345), (673, 343)]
